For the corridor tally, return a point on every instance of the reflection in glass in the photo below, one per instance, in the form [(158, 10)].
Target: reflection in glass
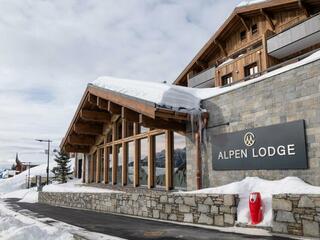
[(160, 157), (110, 165), (130, 162), (94, 161), (179, 161), (143, 166), (119, 169), (143, 129)]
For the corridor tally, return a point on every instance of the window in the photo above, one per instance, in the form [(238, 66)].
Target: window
[(226, 79), (130, 162), (143, 164), (243, 35), (160, 160), (179, 162), (119, 167), (254, 29), (109, 149), (101, 154), (251, 69)]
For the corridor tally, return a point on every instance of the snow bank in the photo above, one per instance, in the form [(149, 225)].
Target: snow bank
[(266, 188), (16, 226), (182, 98)]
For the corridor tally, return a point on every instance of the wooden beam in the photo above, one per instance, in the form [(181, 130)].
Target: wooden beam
[(92, 99), (169, 159), (114, 155), (243, 22), (202, 64), (304, 7), (114, 108), (95, 116), (88, 129), (151, 159), (124, 154), (137, 154), (222, 49), (102, 104), (85, 140), (106, 165), (268, 18), (161, 124), (129, 115), (98, 163), (76, 149)]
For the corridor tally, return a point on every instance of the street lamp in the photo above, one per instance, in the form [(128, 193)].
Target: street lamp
[(47, 141)]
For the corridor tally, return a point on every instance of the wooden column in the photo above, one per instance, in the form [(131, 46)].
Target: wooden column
[(106, 165), (169, 160), (91, 178), (114, 155), (198, 161), (136, 130), (151, 159), (124, 154), (76, 174), (84, 161), (98, 163)]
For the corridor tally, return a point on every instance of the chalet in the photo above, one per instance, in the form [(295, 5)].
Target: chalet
[(144, 137)]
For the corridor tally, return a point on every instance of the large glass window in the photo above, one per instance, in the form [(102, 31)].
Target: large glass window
[(94, 160), (110, 165), (179, 161), (143, 129), (143, 166), (160, 160), (119, 169), (130, 162)]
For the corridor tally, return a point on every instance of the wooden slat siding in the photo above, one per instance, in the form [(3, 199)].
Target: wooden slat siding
[(136, 131), (114, 155), (151, 160), (98, 163), (124, 154), (169, 159), (106, 164), (146, 108)]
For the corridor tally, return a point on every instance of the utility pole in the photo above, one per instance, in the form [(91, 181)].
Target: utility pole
[(47, 141)]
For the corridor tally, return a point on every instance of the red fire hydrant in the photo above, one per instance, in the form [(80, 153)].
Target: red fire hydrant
[(255, 205)]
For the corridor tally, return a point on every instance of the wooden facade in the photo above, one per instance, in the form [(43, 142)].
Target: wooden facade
[(241, 42)]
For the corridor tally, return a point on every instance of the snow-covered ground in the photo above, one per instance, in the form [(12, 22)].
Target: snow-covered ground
[(267, 188)]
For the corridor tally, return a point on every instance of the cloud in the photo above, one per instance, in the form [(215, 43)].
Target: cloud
[(50, 50)]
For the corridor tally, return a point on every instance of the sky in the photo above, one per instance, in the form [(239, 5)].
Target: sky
[(50, 51)]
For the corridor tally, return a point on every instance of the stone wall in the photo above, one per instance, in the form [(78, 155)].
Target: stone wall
[(296, 214), (286, 97), (218, 210)]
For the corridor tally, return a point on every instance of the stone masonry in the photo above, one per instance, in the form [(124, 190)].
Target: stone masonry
[(218, 210), (286, 97), (296, 214)]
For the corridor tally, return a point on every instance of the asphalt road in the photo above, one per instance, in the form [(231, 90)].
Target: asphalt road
[(126, 227)]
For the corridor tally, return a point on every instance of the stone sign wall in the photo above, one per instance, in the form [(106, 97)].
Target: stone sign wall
[(286, 97), (218, 210), (296, 214)]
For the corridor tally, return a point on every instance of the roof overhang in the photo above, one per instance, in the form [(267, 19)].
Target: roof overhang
[(100, 107)]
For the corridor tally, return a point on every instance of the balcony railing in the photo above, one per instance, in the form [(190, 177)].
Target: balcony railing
[(203, 79), (295, 39)]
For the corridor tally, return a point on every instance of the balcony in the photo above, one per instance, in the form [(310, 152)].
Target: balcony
[(204, 79), (295, 39)]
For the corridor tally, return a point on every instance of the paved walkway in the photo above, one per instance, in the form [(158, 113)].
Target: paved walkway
[(126, 227)]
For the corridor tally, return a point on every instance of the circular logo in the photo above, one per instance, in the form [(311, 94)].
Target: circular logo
[(249, 139)]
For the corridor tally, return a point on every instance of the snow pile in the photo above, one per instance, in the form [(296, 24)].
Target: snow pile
[(266, 188), (16, 226), (250, 2), (20, 181), (179, 97)]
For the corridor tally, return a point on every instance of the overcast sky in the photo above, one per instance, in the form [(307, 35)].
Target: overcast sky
[(50, 51)]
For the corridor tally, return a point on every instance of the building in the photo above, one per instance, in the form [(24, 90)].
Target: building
[(267, 126), (22, 166)]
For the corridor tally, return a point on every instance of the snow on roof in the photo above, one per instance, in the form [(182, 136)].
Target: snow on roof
[(250, 2), (179, 97)]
